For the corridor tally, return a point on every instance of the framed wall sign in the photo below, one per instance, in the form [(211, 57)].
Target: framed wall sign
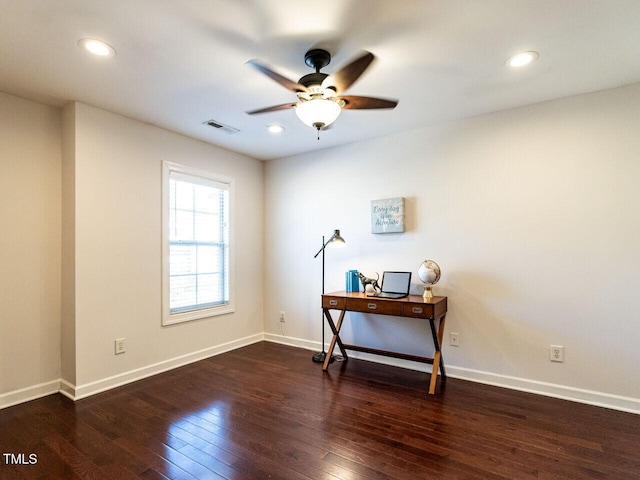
[(387, 215)]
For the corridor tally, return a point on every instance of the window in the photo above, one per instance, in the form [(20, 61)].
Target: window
[(197, 280)]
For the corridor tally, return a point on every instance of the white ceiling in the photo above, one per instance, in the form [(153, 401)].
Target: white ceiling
[(182, 62)]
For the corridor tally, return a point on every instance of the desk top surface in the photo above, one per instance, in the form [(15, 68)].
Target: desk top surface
[(409, 299)]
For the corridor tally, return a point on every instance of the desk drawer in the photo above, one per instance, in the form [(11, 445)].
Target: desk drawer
[(417, 310), (368, 305), (333, 302)]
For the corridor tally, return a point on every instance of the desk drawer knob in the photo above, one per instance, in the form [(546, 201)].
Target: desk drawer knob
[(372, 306), (333, 303), (417, 310)]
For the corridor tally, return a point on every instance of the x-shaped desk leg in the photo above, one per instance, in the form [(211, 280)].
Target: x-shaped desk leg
[(438, 362), (336, 337)]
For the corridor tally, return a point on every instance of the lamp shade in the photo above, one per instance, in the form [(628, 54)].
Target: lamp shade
[(318, 112), (336, 241)]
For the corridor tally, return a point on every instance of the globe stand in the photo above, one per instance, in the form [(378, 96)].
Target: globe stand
[(428, 294), (429, 273)]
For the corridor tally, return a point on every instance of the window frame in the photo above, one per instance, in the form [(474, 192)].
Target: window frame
[(208, 177)]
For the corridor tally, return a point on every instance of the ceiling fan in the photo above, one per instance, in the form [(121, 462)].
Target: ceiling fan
[(319, 94)]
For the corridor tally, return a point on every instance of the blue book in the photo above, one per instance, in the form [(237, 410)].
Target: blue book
[(352, 282)]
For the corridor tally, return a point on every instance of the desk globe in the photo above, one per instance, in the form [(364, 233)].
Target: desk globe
[(429, 273)]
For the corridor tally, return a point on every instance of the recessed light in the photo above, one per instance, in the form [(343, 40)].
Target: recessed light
[(521, 59), (275, 129), (97, 47)]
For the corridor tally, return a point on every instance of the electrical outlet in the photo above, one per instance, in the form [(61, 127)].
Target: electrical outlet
[(282, 320), (556, 353), (119, 344), (454, 339)]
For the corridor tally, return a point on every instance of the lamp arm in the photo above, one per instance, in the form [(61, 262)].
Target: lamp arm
[(323, 247), (334, 238)]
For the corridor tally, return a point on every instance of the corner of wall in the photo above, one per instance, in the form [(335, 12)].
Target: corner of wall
[(68, 242)]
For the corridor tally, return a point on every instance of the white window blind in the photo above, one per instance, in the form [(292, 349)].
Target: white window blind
[(197, 244)]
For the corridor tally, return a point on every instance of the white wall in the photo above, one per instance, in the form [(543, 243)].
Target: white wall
[(118, 167), (30, 165), (531, 214), (80, 251), (68, 299)]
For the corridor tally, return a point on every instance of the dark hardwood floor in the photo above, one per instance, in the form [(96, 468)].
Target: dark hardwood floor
[(267, 411)]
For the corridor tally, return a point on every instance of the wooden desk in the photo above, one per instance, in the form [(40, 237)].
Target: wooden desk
[(413, 306)]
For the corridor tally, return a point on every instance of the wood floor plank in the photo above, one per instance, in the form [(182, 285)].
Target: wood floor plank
[(268, 411)]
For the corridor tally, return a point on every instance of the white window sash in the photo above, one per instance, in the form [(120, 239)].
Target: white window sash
[(174, 171)]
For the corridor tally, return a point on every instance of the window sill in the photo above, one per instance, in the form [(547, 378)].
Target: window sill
[(182, 317)]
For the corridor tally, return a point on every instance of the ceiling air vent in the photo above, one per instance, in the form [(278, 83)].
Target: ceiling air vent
[(221, 126)]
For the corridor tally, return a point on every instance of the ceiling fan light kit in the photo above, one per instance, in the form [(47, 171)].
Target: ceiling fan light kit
[(319, 104), (318, 112)]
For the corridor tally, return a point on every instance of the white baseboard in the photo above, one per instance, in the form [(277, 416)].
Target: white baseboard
[(293, 342), (589, 397), (67, 389), (74, 392), (580, 395), (77, 392), (22, 395)]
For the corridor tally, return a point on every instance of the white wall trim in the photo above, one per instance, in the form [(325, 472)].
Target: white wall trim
[(73, 392), (67, 389), (589, 397), (294, 342), (26, 394), (98, 386)]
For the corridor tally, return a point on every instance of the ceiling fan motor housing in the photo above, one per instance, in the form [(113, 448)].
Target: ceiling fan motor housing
[(312, 79), (317, 58)]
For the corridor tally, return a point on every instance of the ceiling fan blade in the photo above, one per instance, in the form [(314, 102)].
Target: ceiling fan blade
[(354, 102), (348, 74), (284, 81), (284, 106)]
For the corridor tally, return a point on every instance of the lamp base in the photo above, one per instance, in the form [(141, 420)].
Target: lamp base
[(320, 357)]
